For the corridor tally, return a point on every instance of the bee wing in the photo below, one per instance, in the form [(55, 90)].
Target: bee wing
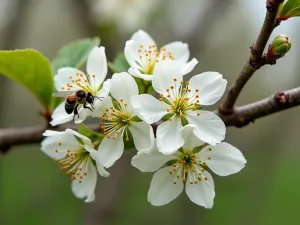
[(63, 94)]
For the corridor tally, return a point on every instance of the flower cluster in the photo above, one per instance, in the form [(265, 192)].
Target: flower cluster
[(187, 140)]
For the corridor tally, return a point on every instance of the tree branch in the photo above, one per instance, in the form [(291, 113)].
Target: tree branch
[(241, 116), (280, 101), (26, 135), (254, 62)]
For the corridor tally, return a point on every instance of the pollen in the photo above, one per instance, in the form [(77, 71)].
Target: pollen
[(188, 167)]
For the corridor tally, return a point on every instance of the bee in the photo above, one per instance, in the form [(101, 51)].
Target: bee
[(76, 98)]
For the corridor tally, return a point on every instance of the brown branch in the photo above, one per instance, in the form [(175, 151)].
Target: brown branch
[(240, 117), (280, 101), (25, 135), (255, 60)]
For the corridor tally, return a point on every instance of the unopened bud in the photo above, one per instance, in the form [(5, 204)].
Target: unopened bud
[(279, 47)]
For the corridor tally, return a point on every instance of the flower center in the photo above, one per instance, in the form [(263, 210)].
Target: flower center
[(82, 81), (180, 99), (75, 162), (115, 120), (150, 56), (189, 168)]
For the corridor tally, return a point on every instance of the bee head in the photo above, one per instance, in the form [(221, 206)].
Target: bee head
[(90, 98)]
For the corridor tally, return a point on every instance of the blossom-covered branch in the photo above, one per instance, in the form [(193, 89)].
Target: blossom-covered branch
[(241, 116), (254, 61)]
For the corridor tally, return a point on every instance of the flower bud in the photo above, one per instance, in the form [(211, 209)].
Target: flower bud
[(279, 47)]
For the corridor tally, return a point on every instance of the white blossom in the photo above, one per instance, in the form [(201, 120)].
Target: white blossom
[(143, 55), (78, 158), (187, 168), (182, 102), (72, 79), (119, 121)]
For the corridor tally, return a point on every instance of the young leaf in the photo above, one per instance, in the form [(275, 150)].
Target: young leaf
[(120, 64), (93, 135), (74, 54), (31, 69), (290, 8)]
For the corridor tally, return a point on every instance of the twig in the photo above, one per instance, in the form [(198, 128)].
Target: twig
[(243, 115), (25, 135), (240, 117), (254, 62)]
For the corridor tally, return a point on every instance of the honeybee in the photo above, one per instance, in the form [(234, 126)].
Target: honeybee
[(76, 98)]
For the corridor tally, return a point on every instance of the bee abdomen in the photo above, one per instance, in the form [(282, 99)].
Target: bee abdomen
[(69, 106)]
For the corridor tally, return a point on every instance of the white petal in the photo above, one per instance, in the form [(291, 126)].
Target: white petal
[(225, 159), (190, 139), (210, 128), (110, 150), (179, 50), (162, 189), (49, 133), (132, 46), (142, 134), (168, 136), (57, 144), (123, 86), (188, 67), (82, 115), (211, 86), (65, 76), (131, 53), (137, 73), (142, 38), (150, 162), (148, 108), (85, 139), (60, 116), (105, 104), (97, 65), (85, 190), (203, 192), (96, 156), (105, 89), (164, 74)]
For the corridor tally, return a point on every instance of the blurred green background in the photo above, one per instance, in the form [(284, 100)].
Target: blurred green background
[(34, 191)]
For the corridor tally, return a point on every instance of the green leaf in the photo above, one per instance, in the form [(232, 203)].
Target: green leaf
[(74, 54), (120, 64), (93, 135), (31, 69), (290, 8)]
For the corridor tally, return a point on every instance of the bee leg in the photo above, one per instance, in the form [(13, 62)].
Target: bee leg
[(75, 112), (86, 107), (92, 105)]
